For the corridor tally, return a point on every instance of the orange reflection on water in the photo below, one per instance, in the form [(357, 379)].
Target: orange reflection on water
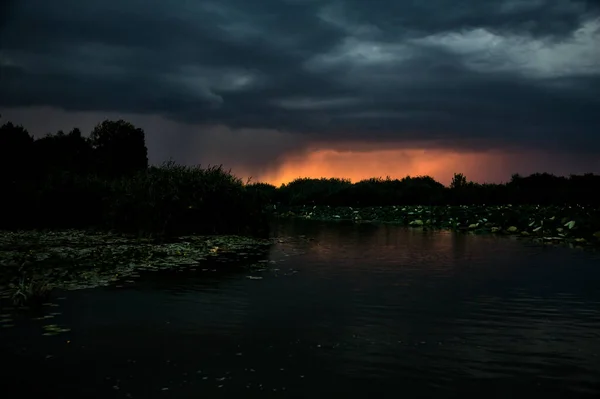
[(371, 248), (359, 165)]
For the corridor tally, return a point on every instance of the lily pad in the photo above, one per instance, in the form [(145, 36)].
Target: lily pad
[(572, 222), (54, 329), (33, 263)]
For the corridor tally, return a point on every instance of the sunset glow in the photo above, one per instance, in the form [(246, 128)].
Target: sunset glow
[(357, 165)]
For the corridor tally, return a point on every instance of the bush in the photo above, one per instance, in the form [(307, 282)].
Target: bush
[(310, 191), (174, 199), (104, 182), (161, 201)]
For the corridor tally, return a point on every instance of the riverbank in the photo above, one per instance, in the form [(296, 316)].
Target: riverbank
[(572, 225)]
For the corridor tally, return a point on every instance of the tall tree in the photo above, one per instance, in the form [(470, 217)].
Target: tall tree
[(458, 181), (16, 151), (119, 148), (64, 152)]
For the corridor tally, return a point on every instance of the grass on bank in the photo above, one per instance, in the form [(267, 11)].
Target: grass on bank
[(169, 200), (67, 230)]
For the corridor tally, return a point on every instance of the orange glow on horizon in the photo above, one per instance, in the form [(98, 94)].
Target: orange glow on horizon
[(359, 165)]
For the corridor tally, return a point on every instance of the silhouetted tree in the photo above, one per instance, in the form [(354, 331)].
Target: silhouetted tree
[(16, 145), (421, 190), (64, 152), (119, 148), (539, 188), (515, 178), (458, 181)]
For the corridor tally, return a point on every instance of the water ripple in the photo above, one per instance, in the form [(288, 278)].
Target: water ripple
[(348, 308)]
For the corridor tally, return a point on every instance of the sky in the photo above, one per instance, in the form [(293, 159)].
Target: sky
[(280, 89)]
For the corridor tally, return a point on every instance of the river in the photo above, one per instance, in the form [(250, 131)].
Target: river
[(340, 309)]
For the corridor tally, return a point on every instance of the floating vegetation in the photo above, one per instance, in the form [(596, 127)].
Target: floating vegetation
[(48, 316), (577, 226), (34, 263), (27, 290), (54, 329)]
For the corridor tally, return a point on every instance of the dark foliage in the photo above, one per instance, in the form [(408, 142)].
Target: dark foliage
[(63, 152), (119, 148), (104, 182), (537, 189)]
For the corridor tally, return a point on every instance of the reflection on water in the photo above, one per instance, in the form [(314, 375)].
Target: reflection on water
[(341, 309)]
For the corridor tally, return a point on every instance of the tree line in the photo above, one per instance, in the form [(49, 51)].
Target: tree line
[(535, 189), (103, 180), (540, 204), (113, 149)]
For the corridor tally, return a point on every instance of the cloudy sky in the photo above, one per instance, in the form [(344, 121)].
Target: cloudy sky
[(277, 89)]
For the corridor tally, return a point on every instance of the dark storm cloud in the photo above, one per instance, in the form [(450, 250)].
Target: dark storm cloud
[(465, 74)]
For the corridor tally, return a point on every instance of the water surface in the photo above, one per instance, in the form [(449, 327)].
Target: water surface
[(341, 310)]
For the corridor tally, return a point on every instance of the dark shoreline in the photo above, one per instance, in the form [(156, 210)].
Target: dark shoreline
[(34, 262)]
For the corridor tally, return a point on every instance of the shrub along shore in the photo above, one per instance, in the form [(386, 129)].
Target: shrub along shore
[(103, 182)]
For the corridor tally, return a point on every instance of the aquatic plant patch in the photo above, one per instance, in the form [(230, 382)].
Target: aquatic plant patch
[(35, 262), (574, 225)]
